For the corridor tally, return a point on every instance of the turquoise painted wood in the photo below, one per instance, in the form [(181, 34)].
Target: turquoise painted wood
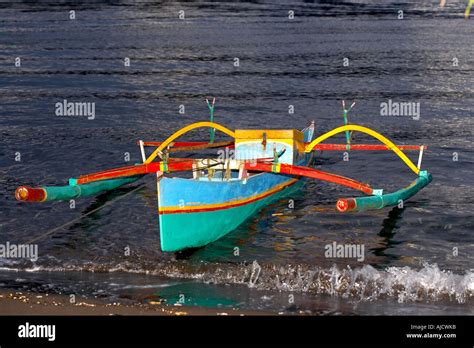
[(181, 230), (392, 199), (196, 212), (55, 193)]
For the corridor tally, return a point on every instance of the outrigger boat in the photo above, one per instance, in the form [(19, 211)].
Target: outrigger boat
[(223, 192)]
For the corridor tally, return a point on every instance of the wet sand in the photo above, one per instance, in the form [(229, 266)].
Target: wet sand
[(27, 303)]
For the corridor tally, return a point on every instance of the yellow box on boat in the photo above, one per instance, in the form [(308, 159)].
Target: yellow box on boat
[(261, 143), (292, 134)]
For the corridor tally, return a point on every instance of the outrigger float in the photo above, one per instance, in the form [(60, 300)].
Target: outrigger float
[(224, 192)]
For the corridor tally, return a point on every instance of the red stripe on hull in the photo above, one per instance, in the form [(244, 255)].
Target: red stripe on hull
[(198, 210)]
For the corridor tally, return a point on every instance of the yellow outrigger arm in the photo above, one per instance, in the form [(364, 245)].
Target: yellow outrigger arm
[(185, 130), (378, 136), (308, 148)]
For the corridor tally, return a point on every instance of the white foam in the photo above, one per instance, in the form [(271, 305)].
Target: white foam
[(366, 283)]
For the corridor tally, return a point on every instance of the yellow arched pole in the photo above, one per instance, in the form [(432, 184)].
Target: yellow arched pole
[(185, 130), (380, 137)]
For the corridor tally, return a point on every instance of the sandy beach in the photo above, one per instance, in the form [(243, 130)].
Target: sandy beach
[(27, 303)]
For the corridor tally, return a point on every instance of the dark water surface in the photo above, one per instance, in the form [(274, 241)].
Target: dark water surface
[(410, 265)]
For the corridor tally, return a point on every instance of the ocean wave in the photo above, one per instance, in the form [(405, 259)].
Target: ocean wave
[(366, 283)]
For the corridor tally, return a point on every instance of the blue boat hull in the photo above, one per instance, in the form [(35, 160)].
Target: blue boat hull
[(194, 213)]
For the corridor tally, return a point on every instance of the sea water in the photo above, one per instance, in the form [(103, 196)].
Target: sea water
[(147, 70)]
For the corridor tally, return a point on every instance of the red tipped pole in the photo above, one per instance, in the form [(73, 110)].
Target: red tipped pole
[(346, 204), (30, 194)]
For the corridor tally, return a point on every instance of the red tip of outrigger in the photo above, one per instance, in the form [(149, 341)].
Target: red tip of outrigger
[(345, 204), (29, 194)]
